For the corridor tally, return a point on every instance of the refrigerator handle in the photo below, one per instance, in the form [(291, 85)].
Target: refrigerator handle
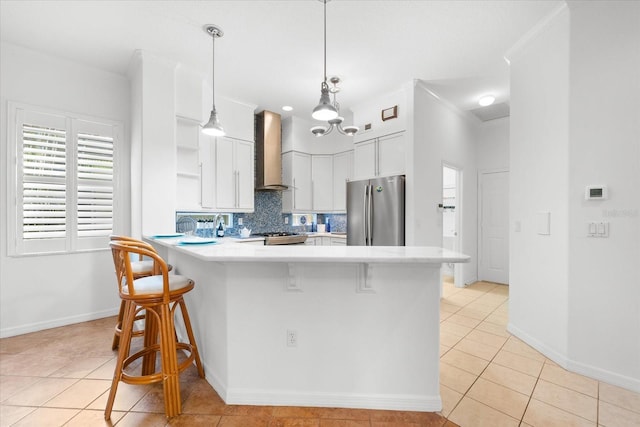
[(365, 216), (370, 216)]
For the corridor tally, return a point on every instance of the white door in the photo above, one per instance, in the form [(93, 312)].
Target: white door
[(494, 227)]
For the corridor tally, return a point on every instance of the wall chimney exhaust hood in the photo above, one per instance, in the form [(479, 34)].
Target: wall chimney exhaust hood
[(269, 152)]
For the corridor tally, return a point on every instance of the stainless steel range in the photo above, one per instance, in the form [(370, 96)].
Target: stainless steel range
[(283, 238)]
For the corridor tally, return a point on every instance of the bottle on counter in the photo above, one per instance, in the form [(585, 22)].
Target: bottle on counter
[(328, 226), (220, 230)]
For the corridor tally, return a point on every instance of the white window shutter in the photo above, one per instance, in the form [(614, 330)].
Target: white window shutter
[(44, 168), (95, 185)]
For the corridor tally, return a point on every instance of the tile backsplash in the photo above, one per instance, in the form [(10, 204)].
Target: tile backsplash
[(268, 217)]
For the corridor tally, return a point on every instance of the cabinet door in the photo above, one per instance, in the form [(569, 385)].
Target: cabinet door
[(364, 159), (244, 162), (342, 163), (301, 182), (225, 174), (322, 182), (391, 159), (336, 241), (311, 241)]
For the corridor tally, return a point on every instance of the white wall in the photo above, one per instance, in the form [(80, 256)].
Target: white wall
[(539, 154), (604, 148), (442, 135), (493, 145), (153, 143), (575, 103), (40, 292)]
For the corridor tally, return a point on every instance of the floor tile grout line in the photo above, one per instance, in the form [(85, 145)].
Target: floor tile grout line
[(477, 377)]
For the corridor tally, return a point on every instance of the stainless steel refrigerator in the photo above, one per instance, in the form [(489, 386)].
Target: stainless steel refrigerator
[(375, 212)]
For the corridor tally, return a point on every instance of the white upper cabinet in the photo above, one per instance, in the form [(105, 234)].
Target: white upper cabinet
[(296, 174), (234, 175), (383, 156), (322, 182), (236, 118), (342, 173)]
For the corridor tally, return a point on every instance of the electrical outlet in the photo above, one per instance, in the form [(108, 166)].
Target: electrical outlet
[(286, 220), (292, 338), (239, 221)]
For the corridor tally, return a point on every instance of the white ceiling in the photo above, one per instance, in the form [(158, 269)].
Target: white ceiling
[(271, 51)]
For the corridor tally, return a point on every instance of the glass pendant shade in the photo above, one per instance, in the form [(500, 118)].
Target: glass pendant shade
[(213, 127), (324, 110)]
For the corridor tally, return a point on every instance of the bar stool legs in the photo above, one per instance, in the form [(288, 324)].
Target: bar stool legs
[(159, 323)]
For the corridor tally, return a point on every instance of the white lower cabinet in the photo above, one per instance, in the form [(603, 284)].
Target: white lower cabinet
[(325, 241), (336, 241), (234, 175)]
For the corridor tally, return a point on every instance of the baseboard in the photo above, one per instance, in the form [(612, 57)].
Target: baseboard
[(334, 400), (594, 372), (552, 354), (603, 375), (55, 323)]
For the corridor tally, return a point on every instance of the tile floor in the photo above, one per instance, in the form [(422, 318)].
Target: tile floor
[(488, 378)]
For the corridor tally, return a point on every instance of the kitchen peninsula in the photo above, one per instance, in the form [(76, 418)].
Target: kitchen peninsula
[(345, 326)]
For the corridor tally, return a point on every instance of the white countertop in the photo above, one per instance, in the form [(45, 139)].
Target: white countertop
[(230, 250)]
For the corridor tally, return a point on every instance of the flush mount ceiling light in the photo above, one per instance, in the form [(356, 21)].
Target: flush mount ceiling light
[(287, 108), (486, 100), (213, 126), (336, 122), (324, 110)]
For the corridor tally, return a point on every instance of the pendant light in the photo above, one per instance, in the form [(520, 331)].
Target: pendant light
[(337, 122), (213, 126), (324, 110)]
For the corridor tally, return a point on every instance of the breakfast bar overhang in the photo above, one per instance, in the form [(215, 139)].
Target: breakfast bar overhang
[(348, 326)]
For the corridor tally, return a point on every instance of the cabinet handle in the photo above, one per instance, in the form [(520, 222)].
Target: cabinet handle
[(237, 183), (200, 172)]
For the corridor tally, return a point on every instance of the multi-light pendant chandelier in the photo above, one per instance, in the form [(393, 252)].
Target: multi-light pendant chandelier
[(213, 126), (327, 110)]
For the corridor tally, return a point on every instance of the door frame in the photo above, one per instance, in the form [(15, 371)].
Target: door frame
[(481, 173), (458, 268)]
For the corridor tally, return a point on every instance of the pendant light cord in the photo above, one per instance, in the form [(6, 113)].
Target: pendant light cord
[(325, 42), (213, 71)]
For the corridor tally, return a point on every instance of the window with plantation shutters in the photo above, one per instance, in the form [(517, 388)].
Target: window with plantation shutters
[(63, 182)]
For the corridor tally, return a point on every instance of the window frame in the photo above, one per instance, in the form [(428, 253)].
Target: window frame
[(75, 124)]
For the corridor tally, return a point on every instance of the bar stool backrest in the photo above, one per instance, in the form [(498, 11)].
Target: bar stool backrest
[(122, 251)]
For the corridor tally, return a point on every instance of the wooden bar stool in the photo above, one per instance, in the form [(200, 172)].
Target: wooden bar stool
[(159, 295), (141, 268)]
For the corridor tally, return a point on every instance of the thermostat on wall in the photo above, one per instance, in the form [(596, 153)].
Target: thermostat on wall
[(596, 192)]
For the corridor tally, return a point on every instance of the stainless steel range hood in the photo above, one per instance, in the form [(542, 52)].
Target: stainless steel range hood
[(269, 152)]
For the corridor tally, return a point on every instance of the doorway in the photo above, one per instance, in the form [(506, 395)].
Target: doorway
[(493, 210), (451, 230)]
